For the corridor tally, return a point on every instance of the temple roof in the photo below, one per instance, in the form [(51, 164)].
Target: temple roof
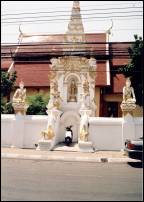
[(32, 55), (35, 74)]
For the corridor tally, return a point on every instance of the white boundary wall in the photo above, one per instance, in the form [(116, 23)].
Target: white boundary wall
[(105, 133)]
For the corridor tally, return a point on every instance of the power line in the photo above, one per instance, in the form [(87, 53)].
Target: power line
[(63, 43), (102, 51), (68, 19), (21, 50), (20, 53), (87, 20), (95, 71), (84, 6), (68, 15), (103, 9)]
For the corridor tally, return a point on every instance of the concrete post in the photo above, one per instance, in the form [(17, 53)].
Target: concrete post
[(18, 134), (128, 125)]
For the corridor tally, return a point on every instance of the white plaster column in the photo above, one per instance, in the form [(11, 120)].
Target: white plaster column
[(57, 114), (85, 145), (128, 125), (18, 131)]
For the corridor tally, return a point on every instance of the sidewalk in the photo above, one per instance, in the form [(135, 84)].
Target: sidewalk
[(98, 156)]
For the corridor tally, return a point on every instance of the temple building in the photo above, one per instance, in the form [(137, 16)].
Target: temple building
[(35, 56)]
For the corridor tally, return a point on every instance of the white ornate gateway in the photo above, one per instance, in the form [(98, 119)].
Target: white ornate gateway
[(72, 83), (76, 82)]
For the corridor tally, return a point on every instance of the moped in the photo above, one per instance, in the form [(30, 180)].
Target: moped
[(68, 135)]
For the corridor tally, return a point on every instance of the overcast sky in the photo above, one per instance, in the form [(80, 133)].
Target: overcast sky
[(123, 28)]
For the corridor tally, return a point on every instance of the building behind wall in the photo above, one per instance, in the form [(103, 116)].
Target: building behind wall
[(31, 60)]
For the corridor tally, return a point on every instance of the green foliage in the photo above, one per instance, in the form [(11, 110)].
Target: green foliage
[(135, 68), (6, 107), (7, 83), (37, 104), (2, 105)]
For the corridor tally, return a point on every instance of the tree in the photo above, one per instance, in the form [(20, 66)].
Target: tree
[(134, 69), (37, 104), (7, 83)]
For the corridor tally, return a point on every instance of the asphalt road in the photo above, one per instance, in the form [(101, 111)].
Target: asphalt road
[(27, 180)]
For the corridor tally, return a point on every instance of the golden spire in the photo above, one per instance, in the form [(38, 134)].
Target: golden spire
[(76, 4), (75, 25), (75, 32)]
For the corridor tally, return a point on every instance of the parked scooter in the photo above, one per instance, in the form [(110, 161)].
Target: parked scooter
[(68, 135)]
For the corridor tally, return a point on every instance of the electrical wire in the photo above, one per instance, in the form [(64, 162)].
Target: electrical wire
[(101, 5), (64, 43), (28, 21), (117, 12), (92, 71), (84, 20), (82, 10)]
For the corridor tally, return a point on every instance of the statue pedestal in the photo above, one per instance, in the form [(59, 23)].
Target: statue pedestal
[(85, 146), (127, 107), (44, 145), (20, 108), (128, 125)]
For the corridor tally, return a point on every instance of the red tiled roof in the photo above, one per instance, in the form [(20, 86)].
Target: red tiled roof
[(118, 83), (36, 75), (7, 49), (39, 48), (5, 64), (6, 59), (33, 75)]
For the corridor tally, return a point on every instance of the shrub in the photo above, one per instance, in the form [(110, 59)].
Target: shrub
[(2, 105), (6, 107), (37, 104)]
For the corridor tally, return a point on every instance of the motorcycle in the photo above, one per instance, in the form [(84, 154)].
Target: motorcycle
[(68, 135)]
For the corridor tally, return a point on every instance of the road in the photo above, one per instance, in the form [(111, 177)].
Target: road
[(33, 180)]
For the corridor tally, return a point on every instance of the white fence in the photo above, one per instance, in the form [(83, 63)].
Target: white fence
[(105, 133)]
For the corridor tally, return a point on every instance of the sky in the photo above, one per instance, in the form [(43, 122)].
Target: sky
[(98, 16)]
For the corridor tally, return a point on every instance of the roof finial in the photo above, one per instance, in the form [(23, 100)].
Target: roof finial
[(109, 30), (20, 30)]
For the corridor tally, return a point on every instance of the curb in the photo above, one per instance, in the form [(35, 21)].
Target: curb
[(62, 158)]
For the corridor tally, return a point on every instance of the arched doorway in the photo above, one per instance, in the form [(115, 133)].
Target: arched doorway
[(69, 118)]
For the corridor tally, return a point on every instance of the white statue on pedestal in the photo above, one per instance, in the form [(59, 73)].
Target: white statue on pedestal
[(20, 94), (128, 93), (129, 100), (19, 100)]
